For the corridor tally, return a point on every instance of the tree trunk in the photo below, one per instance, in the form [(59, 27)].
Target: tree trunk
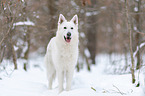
[(26, 38), (91, 35), (13, 51), (130, 39), (14, 56), (138, 26), (26, 54)]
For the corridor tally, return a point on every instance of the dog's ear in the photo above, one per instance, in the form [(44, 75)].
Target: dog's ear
[(61, 19), (75, 20)]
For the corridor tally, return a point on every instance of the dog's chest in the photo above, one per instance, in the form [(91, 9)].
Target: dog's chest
[(67, 56), (66, 53)]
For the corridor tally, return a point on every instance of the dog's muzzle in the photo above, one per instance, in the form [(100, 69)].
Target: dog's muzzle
[(68, 37)]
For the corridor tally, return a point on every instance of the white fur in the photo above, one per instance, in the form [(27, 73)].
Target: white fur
[(61, 56)]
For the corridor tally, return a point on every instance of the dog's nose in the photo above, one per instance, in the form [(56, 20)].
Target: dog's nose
[(68, 34)]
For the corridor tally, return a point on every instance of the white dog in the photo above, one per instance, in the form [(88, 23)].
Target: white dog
[(62, 52)]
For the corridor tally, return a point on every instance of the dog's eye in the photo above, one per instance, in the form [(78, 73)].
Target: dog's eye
[(65, 28), (72, 28)]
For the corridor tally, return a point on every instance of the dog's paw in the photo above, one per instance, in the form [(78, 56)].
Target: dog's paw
[(60, 90), (49, 88), (68, 89)]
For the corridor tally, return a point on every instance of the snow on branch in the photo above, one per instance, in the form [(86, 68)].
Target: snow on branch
[(28, 23), (22, 0), (137, 49), (87, 53), (92, 13)]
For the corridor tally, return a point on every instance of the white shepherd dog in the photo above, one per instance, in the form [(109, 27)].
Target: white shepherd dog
[(62, 52)]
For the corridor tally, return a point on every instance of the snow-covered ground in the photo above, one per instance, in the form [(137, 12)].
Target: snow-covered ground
[(94, 83)]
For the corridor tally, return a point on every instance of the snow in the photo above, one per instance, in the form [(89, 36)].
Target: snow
[(20, 14), (103, 7), (37, 16), (82, 11), (94, 83), (92, 13), (135, 9), (74, 4), (30, 23), (5, 8), (82, 34), (135, 28), (22, 0), (16, 48), (137, 49), (25, 48), (87, 53), (95, 12)]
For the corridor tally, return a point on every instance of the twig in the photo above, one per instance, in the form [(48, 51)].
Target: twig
[(119, 90), (93, 88), (141, 33), (2, 56)]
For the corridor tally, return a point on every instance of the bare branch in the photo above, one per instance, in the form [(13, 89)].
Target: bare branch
[(7, 32)]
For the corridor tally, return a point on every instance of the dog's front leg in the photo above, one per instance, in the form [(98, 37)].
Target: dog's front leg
[(60, 75), (69, 76)]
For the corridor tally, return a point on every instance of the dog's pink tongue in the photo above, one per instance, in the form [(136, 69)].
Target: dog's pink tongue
[(68, 40)]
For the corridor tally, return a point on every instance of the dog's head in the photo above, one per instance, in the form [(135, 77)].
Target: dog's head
[(67, 29)]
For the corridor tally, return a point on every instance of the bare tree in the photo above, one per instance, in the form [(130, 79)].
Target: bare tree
[(137, 28), (130, 39), (7, 7)]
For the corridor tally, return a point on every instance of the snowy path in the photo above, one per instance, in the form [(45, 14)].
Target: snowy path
[(94, 83)]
